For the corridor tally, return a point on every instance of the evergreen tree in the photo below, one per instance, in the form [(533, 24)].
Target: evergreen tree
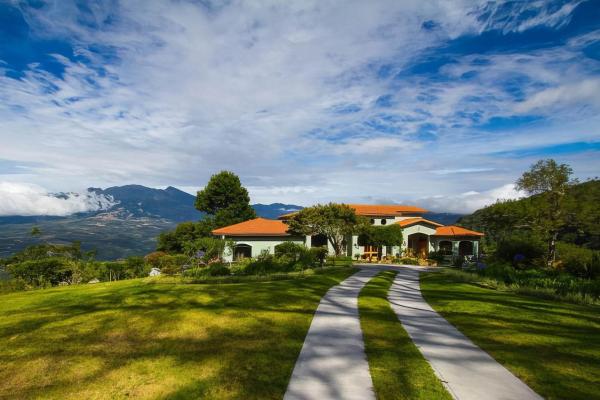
[(225, 200)]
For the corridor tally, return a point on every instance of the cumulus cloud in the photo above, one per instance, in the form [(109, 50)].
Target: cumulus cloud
[(29, 199), (470, 201)]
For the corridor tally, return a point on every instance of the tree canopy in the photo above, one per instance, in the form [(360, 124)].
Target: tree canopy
[(225, 200), (389, 235), (553, 180), (559, 209), (334, 221)]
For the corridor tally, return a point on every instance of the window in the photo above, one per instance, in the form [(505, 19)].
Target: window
[(445, 247), (372, 221), (242, 251), (383, 221)]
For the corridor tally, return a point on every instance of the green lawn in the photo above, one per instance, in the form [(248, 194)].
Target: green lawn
[(398, 369), (145, 340), (554, 347)]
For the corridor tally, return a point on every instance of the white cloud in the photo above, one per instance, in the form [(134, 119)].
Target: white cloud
[(585, 92), (470, 201), (460, 171), (250, 87), (29, 199)]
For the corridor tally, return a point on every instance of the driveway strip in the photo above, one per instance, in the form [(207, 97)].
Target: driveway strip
[(468, 372), (332, 363)]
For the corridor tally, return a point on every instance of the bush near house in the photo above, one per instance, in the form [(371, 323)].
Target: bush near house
[(289, 257), (579, 261), (522, 251), (544, 283), (406, 261)]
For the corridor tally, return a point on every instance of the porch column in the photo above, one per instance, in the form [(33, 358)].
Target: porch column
[(308, 241), (354, 248), (455, 244), (476, 248)]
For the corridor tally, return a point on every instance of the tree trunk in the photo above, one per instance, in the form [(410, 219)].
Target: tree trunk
[(336, 246), (552, 249)]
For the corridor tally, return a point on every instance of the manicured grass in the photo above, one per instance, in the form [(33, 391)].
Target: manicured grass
[(148, 339), (554, 347), (398, 369)]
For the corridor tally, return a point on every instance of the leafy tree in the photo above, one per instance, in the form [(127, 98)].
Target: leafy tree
[(135, 267), (205, 250), (153, 259), (225, 200), (553, 181), (334, 221), (41, 272), (46, 250), (389, 235), (116, 270), (174, 241)]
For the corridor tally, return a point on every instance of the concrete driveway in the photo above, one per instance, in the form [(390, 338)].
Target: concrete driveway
[(332, 363)]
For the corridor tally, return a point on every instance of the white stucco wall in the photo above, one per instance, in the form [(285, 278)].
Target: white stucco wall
[(260, 244)]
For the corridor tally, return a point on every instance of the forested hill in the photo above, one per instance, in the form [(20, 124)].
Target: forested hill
[(581, 211)]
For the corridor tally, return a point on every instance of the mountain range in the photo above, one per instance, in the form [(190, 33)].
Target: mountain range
[(126, 221)]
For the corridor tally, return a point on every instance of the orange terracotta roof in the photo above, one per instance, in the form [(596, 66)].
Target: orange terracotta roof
[(375, 210), (384, 209), (255, 227), (453, 230), (411, 221)]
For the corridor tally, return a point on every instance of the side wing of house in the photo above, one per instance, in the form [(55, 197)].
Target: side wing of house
[(253, 237)]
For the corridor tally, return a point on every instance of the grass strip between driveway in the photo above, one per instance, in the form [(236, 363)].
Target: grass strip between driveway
[(552, 346), (398, 369)]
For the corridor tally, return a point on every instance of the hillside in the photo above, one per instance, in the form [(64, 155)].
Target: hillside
[(129, 227), (582, 209)]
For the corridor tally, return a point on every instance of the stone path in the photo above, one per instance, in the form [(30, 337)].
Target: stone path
[(468, 372), (332, 363)]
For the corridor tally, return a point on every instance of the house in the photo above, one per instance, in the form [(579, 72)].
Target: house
[(420, 235)]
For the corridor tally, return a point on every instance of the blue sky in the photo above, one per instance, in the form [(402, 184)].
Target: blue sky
[(438, 103)]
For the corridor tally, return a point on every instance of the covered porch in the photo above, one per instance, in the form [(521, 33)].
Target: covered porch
[(457, 247)]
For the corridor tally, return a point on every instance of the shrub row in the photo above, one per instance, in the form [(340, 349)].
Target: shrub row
[(551, 283)]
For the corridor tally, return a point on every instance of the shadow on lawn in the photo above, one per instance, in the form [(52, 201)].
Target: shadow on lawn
[(553, 346), (251, 350)]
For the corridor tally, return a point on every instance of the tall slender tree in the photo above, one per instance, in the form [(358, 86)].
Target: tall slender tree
[(551, 181)]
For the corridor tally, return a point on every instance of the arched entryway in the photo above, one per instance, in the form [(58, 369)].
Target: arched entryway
[(241, 251), (418, 243), (445, 247), (465, 248)]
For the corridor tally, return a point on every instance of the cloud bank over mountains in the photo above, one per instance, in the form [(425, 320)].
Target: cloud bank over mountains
[(31, 200), (470, 201), (307, 101)]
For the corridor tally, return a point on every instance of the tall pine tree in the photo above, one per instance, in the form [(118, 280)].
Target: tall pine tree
[(225, 200)]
